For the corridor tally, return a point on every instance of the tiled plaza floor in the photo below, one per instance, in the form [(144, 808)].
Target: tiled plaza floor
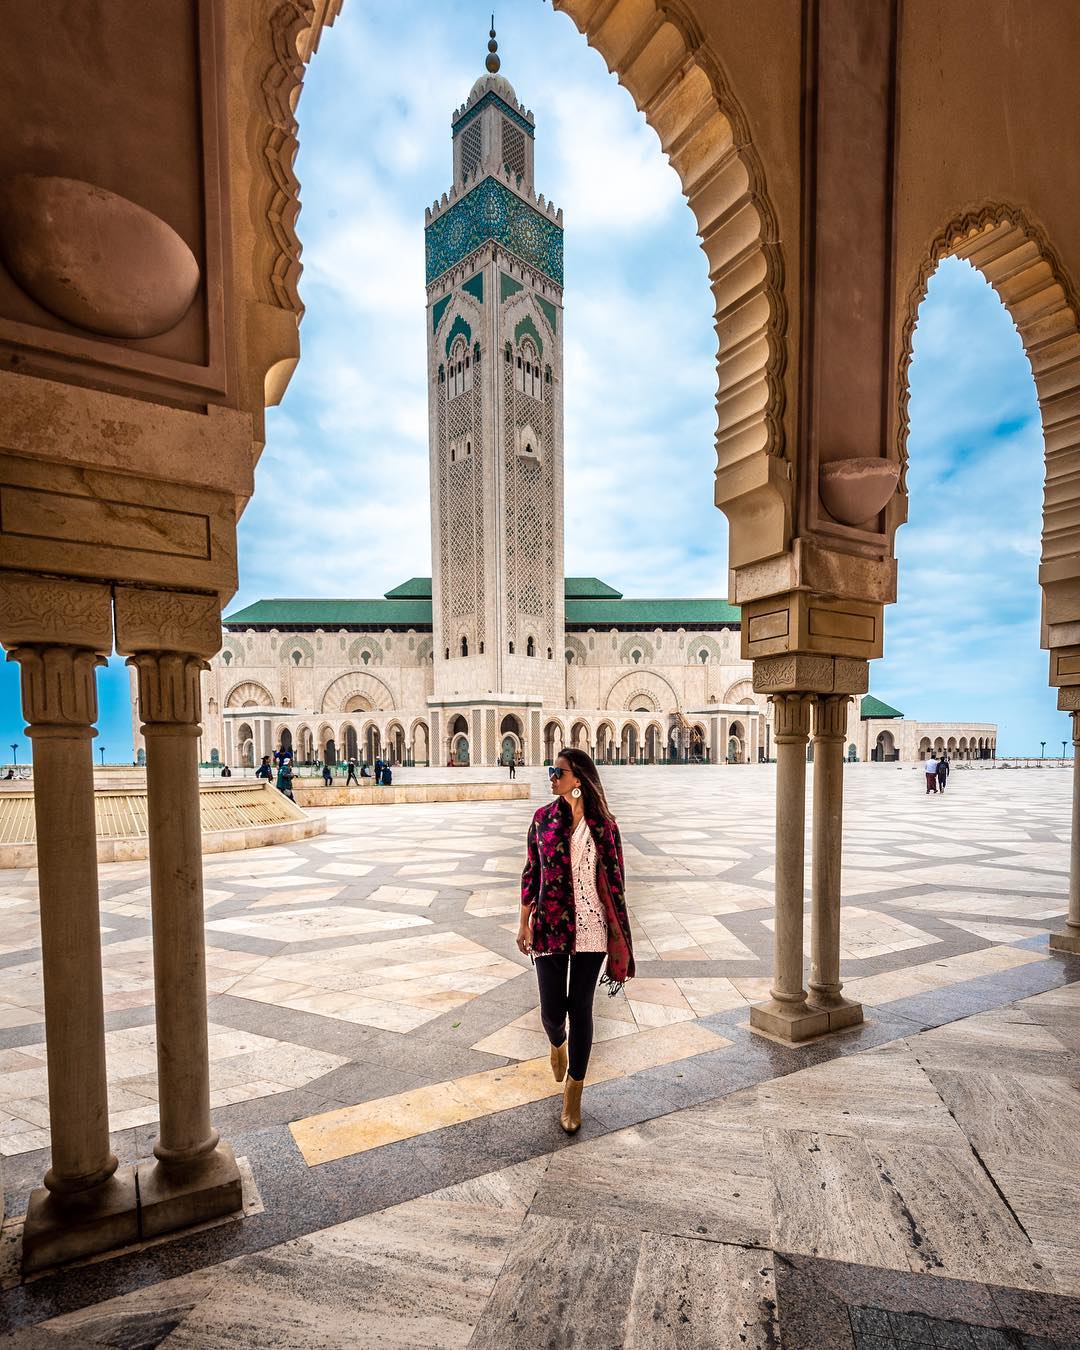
[(378, 1060)]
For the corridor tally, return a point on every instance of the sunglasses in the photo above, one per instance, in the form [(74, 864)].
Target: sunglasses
[(555, 772)]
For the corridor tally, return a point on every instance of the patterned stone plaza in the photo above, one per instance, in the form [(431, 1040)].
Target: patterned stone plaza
[(378, 1063)]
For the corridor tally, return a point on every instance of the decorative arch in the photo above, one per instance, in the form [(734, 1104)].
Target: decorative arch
[(642, 685), (356, 683), (458, 327), (702, 642), (739, 692), (640, 644), (1015, 257), (360, 646), (296, 643), (577, 647), (526, 327), (658, 54), (249, 694)]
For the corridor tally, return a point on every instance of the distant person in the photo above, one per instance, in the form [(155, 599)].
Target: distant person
[(511, 764), (379, 769), (450, 761), (284, 779), (264, 770), (9, 775), (226, 772), (352, 778), (387, 778), (930, 768), (944, 768), (327, 775), (365, 772)]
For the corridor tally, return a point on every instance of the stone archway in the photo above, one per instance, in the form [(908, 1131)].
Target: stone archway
[(356, 690)]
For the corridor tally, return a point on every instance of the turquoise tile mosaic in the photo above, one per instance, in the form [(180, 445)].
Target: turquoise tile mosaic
[(492, 211)]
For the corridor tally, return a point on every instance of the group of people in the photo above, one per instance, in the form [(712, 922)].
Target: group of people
[(284, 774), (937, 772), (384, 774)]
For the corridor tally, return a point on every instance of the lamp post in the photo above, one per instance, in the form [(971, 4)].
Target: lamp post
[(14, 753), (1043, 752), (1063, 745), (101, 750)]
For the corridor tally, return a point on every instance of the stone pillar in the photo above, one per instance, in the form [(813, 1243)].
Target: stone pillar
[(787, 1013), (58, 632), (830, 729), (168, 637), (1068, 940)]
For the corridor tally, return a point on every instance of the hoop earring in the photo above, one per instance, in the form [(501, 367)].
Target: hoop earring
[(575, 793)]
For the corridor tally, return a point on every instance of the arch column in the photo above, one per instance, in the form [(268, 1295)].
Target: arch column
[(59, 633), (830, 731), (787, 1014), (1068, 939), (167, 638)]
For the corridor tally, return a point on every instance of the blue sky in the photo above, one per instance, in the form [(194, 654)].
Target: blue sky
[(341, 502)]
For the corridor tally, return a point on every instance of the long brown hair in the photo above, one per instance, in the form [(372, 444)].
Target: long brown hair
[(585, 771)]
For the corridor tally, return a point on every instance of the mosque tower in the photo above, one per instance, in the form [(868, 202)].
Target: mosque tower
[(494, 269)]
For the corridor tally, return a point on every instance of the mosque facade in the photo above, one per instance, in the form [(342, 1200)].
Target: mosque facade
[(497, 654)]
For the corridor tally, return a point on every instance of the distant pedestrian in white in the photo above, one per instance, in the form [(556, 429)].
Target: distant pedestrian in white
[(930, 767)]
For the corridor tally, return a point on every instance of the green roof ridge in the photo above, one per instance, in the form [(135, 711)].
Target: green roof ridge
[(873, 707)]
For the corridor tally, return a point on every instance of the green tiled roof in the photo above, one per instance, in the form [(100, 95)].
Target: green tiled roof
[(650, 613), (873, 707), (369, 614), (590, 603), (589, 588), (416, 588)]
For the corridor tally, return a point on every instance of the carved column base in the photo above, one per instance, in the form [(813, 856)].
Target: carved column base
[(843, 1012), (73, 1227), (179, 1197), (1068, 940), (792, 1022)]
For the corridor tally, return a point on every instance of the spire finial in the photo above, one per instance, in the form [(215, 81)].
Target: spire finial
[(493, 63)]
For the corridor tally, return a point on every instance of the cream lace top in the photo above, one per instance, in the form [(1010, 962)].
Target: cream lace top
[(589, 916)]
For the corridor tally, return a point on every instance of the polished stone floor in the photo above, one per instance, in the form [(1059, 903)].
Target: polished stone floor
[(378, 1061)]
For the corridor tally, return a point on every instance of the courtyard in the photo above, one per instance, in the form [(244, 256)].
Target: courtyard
[(378, 1064)]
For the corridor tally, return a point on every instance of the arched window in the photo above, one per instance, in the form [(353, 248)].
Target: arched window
[(297, 657), (549, 654), (468, 447), (366, 658), (227, 658), (448, 653), (442, 374), (703, 656), (511, 649), (569, 658), (530, 647), (527, 376), (635, 656), (460, 369), (481, 649), (508, 354), (464, 645), (476, 354)]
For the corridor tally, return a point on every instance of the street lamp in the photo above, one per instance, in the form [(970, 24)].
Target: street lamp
[(14, 753), (1063, 745), (1043, 752), (102, 750)]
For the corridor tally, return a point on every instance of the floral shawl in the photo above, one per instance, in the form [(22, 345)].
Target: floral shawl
[(547, 887)]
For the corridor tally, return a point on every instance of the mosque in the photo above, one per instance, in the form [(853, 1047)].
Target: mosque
[(498, 653)]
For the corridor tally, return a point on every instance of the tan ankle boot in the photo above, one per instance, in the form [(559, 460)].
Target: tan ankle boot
[(570, 1119), (558, 1061)]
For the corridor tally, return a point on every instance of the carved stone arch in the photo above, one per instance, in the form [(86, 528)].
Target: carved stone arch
[(575, 645), (461, 316), (355, 683), (249, 693), (739, 692), (657, 52), (365, 643), (702, 642), (1015, 257), (640, 644), (637, 685), (295, 643)]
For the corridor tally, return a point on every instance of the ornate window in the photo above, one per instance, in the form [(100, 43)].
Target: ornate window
[(703, 656), (513, 148), (464, 645), (511, 649), (470, 148), (528, 376), (460, 379), (297, 657), (227, 658), (530, 647), (635, 656)]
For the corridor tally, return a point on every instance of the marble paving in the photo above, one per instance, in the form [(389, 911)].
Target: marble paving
[(377, 1055)]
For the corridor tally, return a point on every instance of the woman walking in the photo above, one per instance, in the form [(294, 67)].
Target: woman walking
[(573, 916)]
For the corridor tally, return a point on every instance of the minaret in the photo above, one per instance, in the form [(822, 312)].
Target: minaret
[(494, 253)]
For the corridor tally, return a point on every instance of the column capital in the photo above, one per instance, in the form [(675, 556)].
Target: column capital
[(58, 686), (169, 691), (830, 716), (811, 672), (48, 612), (791, 718), (166, 621)]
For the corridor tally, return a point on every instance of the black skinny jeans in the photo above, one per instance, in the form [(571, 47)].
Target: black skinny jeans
[(567, 983)]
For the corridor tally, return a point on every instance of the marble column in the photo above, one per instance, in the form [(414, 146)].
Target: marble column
[(787, 1013), (830, 729), (195, 1177), (1068, 940), (58, 633)]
